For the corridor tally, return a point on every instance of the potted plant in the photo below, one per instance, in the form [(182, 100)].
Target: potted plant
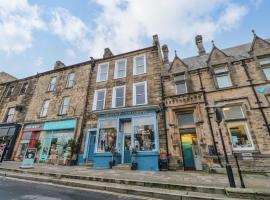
[(37, 145), (112, 161), (134, 164), (72, 150)]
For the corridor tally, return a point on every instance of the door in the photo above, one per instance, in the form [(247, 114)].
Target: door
[(187, 149), (91, 146), (127, 148), (45, 149)]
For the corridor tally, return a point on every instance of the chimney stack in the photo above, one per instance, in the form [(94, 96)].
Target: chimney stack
[(155, 40), (165, 51), (58, 64), (107, 53), (199, 43)]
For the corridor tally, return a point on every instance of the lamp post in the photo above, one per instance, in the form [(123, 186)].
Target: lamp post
[(219, 118)]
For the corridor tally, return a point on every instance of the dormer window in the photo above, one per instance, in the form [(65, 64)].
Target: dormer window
[(265, 65), (222, 76), (180, 83)]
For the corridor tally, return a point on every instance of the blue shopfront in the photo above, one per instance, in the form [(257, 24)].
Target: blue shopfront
[(120, 133)]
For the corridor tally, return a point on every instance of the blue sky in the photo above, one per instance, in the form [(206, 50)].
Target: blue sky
[(36, 33)]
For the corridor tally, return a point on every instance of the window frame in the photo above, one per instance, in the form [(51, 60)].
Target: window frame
[(10, 90), (62, 105), (43, 108), (184, 81), (94, 106), (114, 96), (135, 66), (50, 83), (23, 86), (135, 93), (116, 68), (265, 66), (8, 114), (222, 74), (68, 80), (99, 71)]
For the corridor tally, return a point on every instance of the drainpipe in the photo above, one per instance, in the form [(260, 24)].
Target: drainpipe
[(250, 80), (164, 115), (92, 63), (208, 116)]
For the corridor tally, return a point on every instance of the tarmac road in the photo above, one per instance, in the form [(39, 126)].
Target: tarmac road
[(14, 189)]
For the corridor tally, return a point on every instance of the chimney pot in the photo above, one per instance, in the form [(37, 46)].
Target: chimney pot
[(165, 52), (155, 40), (58, 64), (199, 43), (107, 53)]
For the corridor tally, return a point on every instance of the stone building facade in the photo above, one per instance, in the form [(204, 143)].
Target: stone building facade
[(124, 109), (55, 112), (236, 81)]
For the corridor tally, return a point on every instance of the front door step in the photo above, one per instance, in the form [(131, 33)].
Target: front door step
[(122, 167)]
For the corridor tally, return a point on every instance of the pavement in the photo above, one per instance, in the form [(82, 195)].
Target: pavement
[(170, 177), (12, 189)]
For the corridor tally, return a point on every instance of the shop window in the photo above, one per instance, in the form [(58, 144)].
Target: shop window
[(238, 128), (107, 135), (44, 109), (64, 106), (118, 96), (10, 91), (265, 65), (120, 69), (99, 99), (144, 133), (52, 84), (10, 115), (24, 88), (180, 83), (70, 80), (139, 64), (186, 120), (103, 70), (140, 93), (222, 77)]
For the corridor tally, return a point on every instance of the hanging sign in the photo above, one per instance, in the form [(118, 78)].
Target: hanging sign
[(264, 89), (29, 158)]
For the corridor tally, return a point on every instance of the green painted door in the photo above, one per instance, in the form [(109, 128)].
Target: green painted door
[(187, 152)]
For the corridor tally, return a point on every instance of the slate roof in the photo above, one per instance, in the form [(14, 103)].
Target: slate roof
[(237, 53)]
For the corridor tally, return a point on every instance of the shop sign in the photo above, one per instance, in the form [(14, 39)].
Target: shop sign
[(33, 127), (129, 113), (264, 89), (60, 125), (29, 158)]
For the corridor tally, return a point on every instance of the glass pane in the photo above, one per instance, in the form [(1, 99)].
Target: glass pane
[(267, 73), (144, 134), (185, 120), (119, 102), (121, 68), (108, 123), (140, 94), (239, 136), (220, 70), (103, 72), (139, 64), (233, 112), (264, 61), (119, 92), (181, 88), (224, 81), (179, 77), (100, 95), (107, 139), (100, 105)]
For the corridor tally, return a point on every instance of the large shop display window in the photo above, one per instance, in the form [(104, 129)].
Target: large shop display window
[(238, 128), (144, 133), (107, 135), (27, 141)]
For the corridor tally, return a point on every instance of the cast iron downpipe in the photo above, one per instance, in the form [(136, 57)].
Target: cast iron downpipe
[(208, 117), (250, 80)]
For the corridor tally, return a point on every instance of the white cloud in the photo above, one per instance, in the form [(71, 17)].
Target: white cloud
[(18, 20), (39, 62)]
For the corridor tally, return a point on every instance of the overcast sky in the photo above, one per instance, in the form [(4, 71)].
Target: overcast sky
[(36, 33)]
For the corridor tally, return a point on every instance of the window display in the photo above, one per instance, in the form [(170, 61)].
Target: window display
[(144, 133), (107, 135)]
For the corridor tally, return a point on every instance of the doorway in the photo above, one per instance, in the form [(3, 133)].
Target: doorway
[(126, 130), (190, 151), (91, 145)]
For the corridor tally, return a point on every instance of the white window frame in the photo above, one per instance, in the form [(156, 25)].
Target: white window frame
[(69, 80), (134, 64), (54, 85), (94, 106), (43, 108), (7, 120), (265, 66), (98, 72), (114, 96), (23, 86), (134, 93), (116, 75), (229, 124), (62, 105)]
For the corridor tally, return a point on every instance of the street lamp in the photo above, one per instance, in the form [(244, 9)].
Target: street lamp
[(219, 118)]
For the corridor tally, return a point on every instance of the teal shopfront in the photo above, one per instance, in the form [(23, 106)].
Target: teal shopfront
[(124, 132), (55, 140)]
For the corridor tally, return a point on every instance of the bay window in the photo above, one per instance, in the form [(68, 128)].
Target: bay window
[(107, 135), (238, 128), (102, 74), (265, 65), (222, 77), (120, 69), (144, 133)]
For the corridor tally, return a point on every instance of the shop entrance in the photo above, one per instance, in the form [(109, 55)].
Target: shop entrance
[(190, 151), (125, 129), (91, 146)]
